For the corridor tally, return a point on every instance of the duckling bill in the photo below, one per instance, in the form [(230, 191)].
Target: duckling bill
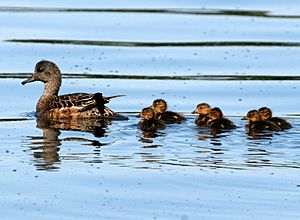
[(77, 105)]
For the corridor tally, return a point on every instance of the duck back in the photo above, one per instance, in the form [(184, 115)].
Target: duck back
[(171, 117), (280, 122), (222, 123), (264, 125)]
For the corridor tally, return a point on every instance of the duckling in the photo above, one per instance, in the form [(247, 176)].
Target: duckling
[(266, 115), (218, 121), (149, 121), (256, 122), (160, 107), (203, 110)]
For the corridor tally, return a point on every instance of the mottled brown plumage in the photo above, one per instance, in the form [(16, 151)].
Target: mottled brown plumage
[(76, 105)]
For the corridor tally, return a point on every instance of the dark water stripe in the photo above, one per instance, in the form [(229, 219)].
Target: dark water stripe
[(14, 119), (159, 44), (177, 11), (158, 77)]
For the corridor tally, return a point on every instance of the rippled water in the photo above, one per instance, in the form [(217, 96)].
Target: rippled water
[(237, 56)]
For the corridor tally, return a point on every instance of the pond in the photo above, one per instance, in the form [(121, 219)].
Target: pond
[(237, 56)]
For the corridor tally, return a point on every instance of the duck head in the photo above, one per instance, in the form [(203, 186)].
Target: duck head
[(215, 114), (160, 106), (147, 113), (265, 113), (48, 73), (202, 109), (252, 116)]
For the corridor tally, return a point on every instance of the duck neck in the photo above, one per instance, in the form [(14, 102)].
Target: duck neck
[(52, 88)]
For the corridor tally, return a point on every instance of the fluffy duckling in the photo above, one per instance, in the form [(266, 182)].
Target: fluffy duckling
[(149, 121), (218, 121), (266, 115), (256, 122), (160, 107), (203, 110)]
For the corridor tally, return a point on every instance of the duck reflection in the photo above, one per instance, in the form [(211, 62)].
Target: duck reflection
[(256, 135), (45, 149)]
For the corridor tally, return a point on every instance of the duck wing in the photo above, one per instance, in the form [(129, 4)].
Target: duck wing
[(82, 101)]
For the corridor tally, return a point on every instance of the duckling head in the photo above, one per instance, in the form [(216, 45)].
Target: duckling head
[(252, 116), (147, 113), (48, 73), (159, 106), (265, 113), (215, 114), (202, 108)]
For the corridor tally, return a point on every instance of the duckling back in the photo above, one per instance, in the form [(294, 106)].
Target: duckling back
[(171, 117), (280, 122), (263, 125), (222, 123)]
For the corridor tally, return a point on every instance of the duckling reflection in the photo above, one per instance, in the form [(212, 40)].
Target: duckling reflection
[(160, 107), (203, 110), (266, 115), (46, 148)]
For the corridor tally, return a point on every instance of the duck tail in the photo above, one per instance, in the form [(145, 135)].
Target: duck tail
[(108, 98)]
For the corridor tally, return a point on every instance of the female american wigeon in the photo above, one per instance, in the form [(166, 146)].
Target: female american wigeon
[(149, 121), (203, 110), (256, 122), (77, 105), (160, 107), (218, 121), (266, 115)]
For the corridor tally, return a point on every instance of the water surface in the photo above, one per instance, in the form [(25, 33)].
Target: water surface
[(237, 56)]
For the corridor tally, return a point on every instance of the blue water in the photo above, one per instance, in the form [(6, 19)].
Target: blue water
[(246, 55)]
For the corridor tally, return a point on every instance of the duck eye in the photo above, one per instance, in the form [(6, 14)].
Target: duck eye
[(40, 69)]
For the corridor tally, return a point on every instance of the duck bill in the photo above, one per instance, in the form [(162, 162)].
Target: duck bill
[(244, 118), (29, 80), (194, 112)]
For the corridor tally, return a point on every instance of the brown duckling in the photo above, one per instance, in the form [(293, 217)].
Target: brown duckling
[(256, 122), (149, 121), (160, 107), (218, 121), (203, 110), (266, 115)]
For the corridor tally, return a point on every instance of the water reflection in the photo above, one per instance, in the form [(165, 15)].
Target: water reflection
[(175, 11), (182, 145), (45, 149), (256, 135)]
